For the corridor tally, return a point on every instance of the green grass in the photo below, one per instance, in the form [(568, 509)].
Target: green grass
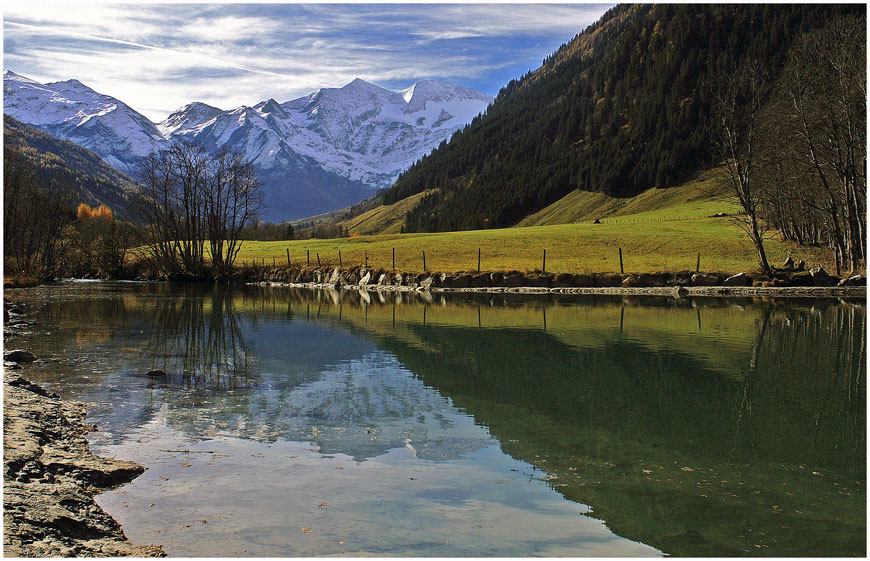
[(385, 219), (692, 200), (646, 246), (658, 230)]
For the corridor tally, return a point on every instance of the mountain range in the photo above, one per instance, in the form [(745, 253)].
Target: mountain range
[(314, 154)]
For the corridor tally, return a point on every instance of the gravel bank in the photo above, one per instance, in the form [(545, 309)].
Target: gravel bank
[(50, 478)]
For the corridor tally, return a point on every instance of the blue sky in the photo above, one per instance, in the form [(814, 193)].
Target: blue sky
[(158, 57)]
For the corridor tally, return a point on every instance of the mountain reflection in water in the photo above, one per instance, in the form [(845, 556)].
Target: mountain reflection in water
[(698, 427)]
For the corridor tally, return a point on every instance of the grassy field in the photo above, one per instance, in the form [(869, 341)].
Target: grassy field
[(658, 230), (385, 219), (692, 200), (646, 246)]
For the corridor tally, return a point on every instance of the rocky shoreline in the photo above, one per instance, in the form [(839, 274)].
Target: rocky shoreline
[(51, 477), (815, 283)]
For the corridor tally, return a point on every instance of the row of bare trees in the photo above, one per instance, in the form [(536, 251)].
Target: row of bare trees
[(196, 206), (33, 216), (795, 148)]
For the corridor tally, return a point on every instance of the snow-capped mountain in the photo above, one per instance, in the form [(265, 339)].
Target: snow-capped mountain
[(74, 112), (315, 153)]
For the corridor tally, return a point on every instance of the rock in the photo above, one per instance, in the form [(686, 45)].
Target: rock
[(680, 292), (384, 279), (629, 282), (563, 280), (446, 280), (652, 279), (821, 277), (364, 280), (801, 266), (461, 281), (802, 278), (703, 279), (18, 356), (740, 279), (597, 221), (496, 279), (398, 279), (11, 366), (426, 283), (480, 280), (51, 477), (583, 280), (514, 279), (683, 278), (854, 280), (605, 281), (336, 274), (789, 263), (155, 373)]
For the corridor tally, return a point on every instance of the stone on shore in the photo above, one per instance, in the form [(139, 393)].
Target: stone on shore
[(821, 277), (703, 279), (854, 280), (18, 356), (50, 477), (740, 279)]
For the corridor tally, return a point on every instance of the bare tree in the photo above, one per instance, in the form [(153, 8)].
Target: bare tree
[(824, 116), (232, 200), (35, 212), (740, 128), (192, 199)]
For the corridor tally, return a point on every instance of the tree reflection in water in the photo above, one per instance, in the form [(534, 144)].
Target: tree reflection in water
[(198, 341)]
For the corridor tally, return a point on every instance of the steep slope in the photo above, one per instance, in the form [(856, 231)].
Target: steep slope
[(622, 108), (72, 111), (317, 153), (61, 162)]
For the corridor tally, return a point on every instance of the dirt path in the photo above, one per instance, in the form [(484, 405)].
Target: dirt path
[(50, 478)]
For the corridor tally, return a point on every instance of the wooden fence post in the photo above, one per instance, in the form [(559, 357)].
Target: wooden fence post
[(698, 264), (288, 257), (318, 259), (621, 270), (308, 257), (424, 261), (394, 259), (478, 259), (367, 259), (339, 259), (544, 264)]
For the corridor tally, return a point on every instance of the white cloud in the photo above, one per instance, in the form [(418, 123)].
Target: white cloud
[(157, 57)]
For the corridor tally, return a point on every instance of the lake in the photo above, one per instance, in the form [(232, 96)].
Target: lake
[(297, 422)]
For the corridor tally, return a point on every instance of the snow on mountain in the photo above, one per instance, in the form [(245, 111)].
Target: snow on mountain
[(363, 134), (73, 111)]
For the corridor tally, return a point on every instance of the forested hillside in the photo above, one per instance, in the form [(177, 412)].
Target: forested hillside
[(60, 164), (623, 107)]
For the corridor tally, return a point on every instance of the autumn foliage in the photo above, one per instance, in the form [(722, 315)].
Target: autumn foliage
[(85, 213)]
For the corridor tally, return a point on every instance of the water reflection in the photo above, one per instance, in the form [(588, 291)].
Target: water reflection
[(700, 427)]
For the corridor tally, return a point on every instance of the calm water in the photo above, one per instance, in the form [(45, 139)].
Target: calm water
[(299, 423)]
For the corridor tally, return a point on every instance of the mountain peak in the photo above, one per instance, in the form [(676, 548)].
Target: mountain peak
[(435, 90), (9, 75)]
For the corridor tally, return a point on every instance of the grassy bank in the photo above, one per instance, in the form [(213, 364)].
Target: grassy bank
[(647, 243)]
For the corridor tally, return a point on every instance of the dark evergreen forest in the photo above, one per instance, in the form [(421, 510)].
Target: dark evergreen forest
[(623, 107)]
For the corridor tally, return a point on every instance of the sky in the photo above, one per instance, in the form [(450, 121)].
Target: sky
[(159, 57)]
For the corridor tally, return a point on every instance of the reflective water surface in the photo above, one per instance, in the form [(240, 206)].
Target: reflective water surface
[(299, 422)]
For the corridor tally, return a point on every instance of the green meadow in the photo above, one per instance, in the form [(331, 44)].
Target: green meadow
[(648, 243)]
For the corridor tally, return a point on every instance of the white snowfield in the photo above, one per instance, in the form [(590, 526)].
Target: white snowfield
[(361, 131)]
